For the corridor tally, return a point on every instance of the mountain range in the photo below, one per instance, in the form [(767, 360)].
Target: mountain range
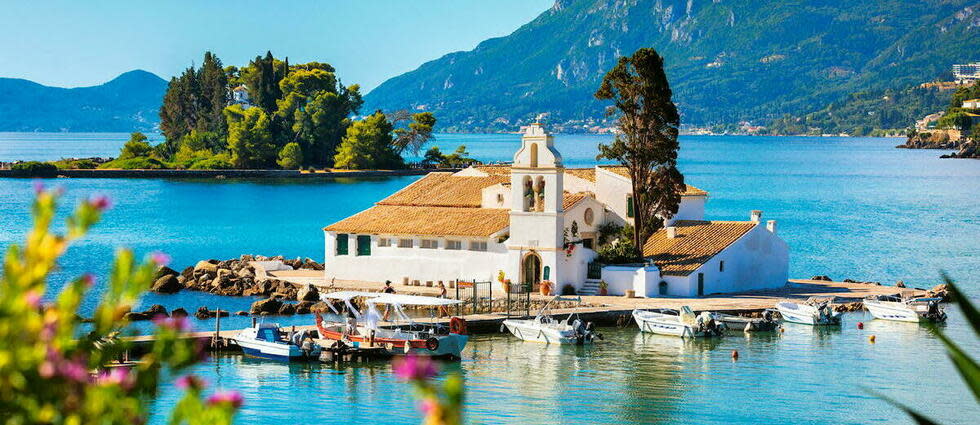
[(130, 102), (727, 60)]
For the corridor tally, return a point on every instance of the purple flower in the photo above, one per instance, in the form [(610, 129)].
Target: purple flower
[(75, 369), (427, 406), (100, 202), (32, 299), (190, 382), (234, 398), (89, 279), (38, 187), (179, 324), (414, 368), (160, 258)]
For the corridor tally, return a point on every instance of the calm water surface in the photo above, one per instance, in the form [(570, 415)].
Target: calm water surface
[(848, 207)]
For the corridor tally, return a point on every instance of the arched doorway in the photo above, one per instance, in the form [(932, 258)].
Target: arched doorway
[(531, 270)]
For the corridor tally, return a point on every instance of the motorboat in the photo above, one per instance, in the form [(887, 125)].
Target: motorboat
[(683, 323), (890, 307), (765, 323), (266, 340), (545, 328), (404, 335), (813, 312)]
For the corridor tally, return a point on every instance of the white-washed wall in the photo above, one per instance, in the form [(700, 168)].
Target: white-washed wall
[(691, 208), (642, 280), (573, 270), (416, 263)]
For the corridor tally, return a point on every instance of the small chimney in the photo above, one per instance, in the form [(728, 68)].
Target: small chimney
[(671, 232), (771, 225), (756, 216)]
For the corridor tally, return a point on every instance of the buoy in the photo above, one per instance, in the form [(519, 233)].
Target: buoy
[(871, 339), (734, 354), (860, 325)]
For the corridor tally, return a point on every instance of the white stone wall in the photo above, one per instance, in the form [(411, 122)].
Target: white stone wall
[(496, 196), (757, 260), (642, 280), (417, 263), (691, 208), (611, 190), (574, 184)]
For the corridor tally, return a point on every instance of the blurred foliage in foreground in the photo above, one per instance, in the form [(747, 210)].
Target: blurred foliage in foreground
[(55, 369)]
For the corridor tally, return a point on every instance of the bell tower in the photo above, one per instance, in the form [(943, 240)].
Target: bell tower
[(536, 215)]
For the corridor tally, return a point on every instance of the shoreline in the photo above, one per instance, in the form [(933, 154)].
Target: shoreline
[(222, 174)]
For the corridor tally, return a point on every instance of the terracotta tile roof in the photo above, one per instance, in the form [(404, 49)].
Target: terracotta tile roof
[(623, 171), (416, 220), (570, 199), (587, 174), (695, 244), (494, 170), (444, 190)]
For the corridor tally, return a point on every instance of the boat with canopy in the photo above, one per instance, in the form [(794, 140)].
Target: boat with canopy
[(404, 335), (545, 328)]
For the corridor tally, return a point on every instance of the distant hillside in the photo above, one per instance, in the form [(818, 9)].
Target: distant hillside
[(130, 102), (727, 60)]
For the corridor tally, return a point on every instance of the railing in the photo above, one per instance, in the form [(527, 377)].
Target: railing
[(479, 296)]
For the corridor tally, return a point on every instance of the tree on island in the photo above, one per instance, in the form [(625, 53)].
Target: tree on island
[(249, 138), (416, 135), (368, 145), (290, 157), (647, 144)]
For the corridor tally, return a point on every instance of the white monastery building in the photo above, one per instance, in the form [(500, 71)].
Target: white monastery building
[(535, 221)]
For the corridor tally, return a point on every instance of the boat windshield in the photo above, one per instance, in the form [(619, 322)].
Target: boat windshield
[(400, 299), (347, 297), (270, 334)]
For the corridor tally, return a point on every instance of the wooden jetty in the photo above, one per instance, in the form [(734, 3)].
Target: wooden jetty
[(605, 311)]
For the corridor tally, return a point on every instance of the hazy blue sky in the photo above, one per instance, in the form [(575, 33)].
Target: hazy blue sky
[(79, 43)]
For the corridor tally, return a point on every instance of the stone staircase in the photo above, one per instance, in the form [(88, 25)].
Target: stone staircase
[(591, 287)]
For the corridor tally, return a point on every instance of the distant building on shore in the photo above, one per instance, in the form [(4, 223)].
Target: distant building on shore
[(535, 220), (971, 104), (966, 73), (929, 121)]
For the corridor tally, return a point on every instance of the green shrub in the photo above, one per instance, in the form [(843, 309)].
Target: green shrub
[(35, 169), (216, 162), (76, 164), (138, 163), (290, 157)]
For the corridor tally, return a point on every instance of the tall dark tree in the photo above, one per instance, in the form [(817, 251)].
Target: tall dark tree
[(647, 144), (214, 95), (181, 109), (262, 79)]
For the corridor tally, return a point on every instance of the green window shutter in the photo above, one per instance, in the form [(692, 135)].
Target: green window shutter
[(547, 272), (342, 244), (629, 206), (363, 245)]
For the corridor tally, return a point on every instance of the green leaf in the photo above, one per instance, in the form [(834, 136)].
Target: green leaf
[(969, 311)]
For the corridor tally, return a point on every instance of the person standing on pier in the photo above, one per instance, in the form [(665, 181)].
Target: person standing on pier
[(388, 289)]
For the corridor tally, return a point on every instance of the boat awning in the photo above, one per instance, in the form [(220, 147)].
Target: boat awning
[(347, 295), (401, 299)]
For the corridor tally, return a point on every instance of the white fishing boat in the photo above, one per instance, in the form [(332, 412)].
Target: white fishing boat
[(889, 307), (813, 312), (267, 341), (683, 323), (545, 328), (766, 323), (404, 335)]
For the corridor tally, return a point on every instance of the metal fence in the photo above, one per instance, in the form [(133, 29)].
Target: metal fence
[(594, 270), (477, 297), (519, 300)]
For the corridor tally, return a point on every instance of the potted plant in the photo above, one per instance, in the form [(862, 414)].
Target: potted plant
[(506, 284), (603, 288), (545, 287)]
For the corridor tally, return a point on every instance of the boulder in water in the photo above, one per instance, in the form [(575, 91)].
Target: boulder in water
[(266, 306)]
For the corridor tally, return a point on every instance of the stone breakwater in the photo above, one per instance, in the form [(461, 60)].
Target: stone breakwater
[(240, 277)]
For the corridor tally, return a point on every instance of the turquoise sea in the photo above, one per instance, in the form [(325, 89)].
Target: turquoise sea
[(848, 207)]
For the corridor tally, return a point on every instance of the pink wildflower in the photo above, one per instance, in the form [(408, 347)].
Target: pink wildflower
[(100, 202), (75, 369), (160, 258), (412, 368), (427, 406), (89, 279), (46, 369), (179, 324), (234, 398), (117, 376), (38, 187), (190, 382), (32, 298)]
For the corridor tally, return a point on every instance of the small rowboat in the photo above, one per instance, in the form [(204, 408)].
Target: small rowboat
[(816, 313)]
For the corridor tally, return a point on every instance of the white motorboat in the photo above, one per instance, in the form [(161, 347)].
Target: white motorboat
[(267, 341), (405, 335), (816, 313), (766, 323), (546, 329), (683, 323), (889, 307)]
